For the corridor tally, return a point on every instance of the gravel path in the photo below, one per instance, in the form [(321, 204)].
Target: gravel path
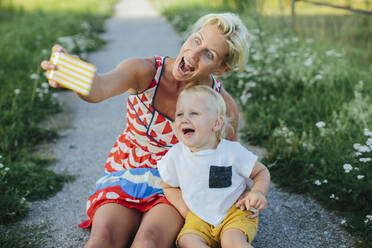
[(137, 30)]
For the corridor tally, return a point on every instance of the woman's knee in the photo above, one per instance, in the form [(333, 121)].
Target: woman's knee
[(103, 237), (149, 237)]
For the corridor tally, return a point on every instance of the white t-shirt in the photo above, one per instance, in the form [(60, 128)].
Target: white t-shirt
[(211, 180)]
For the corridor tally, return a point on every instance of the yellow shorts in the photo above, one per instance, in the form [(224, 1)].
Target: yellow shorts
[(235, 218)]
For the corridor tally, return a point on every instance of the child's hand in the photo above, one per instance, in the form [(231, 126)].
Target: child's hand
[(254, 199)]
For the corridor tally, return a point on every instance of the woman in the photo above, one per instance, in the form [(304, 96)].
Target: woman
[(128, 201)]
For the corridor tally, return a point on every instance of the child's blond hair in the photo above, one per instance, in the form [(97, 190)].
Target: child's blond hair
[(216, 104), (236, 35)]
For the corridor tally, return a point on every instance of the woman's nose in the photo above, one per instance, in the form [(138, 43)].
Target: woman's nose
[(195, 55)]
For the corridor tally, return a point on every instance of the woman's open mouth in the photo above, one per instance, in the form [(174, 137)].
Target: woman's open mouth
[(185, 67)]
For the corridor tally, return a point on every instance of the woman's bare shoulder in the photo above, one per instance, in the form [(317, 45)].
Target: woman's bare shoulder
[(143, 70)]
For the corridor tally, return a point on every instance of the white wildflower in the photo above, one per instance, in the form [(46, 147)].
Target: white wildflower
[(365, 160), (44, 51), (367, 132), (343, 221), (271, 49), (330, 52), (45, 85), (17, 91), (357, 154), (368, 219), (320, 124), (244, 97), (251, 84), (308, 62), (34, 76), (347, 168), (256, 57), (317, 182), (332, 196), (360, 177), (318, 77), (325, 181), (6, 168), (369, 142), (1, 166), (1, 157), (361, 148)]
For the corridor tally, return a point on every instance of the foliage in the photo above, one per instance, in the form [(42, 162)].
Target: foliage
[(28, 29)]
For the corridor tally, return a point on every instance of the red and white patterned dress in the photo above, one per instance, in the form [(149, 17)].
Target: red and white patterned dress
[(131, 177)]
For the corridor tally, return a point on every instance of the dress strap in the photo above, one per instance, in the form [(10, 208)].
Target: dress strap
[(159, 65), (217, 86)]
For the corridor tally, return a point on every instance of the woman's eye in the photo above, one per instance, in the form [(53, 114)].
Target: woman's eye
[(209, 55)]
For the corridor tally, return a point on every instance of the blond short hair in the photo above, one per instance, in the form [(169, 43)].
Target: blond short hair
[(216, 104), (236, 35)]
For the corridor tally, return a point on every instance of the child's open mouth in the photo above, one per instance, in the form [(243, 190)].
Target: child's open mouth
[(186, 67), (188, 132)]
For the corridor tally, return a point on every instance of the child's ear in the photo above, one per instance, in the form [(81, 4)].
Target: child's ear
[(218, 124)]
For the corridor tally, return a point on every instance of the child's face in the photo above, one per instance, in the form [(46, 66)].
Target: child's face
[(196, 124)]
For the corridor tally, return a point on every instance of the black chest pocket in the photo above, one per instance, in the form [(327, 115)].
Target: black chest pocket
[(220, 176)]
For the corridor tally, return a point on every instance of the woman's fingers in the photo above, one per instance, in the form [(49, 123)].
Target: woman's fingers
[(47, 65), (58, 48), (53, 83)]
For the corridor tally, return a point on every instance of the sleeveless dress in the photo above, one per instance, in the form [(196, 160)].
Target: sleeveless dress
[(131, 177)]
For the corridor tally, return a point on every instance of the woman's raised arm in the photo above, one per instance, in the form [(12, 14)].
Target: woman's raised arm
[(132, 74)]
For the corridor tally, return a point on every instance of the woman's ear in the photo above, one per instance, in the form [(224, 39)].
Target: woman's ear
[(218, 124)]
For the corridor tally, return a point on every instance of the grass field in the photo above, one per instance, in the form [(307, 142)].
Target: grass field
[(28, 29), (305, 95)]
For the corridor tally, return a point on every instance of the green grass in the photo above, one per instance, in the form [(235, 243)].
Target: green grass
[(306, 99), (28, 30)]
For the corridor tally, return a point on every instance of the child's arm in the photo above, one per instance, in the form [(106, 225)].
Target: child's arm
[(256, 197), (174, 196)]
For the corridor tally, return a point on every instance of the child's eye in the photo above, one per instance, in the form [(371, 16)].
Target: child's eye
[(197, 41), (194, 113), (209, 55), (179, 114)]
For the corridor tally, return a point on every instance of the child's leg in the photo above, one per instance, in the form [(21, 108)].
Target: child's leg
[(234, 238), (159, 227), (112, 226), (190, 240)]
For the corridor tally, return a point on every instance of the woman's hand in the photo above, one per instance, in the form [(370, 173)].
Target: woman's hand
[(47, 65)]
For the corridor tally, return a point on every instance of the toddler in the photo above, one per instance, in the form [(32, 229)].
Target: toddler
[(211, 173)]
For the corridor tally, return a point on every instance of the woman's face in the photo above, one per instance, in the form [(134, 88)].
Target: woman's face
[(201, 54)]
